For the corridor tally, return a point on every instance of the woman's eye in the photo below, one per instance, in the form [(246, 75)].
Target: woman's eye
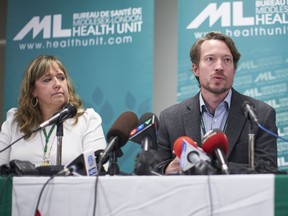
[(46, 80)]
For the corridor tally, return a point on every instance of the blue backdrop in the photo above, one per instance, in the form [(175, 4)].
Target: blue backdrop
[(107, 46), (259, 29)]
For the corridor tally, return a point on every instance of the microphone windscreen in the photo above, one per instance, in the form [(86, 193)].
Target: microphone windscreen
[(215, 139), (177, 147), (147, 116), (71, 110), (122, 127), (249, 110), (244, 105)]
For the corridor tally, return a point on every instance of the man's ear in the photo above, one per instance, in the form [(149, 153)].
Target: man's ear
[(195, 69)]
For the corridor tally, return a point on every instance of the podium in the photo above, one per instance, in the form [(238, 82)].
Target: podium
[(263, 195)]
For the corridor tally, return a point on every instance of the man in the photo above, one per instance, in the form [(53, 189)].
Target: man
[(217, 105)]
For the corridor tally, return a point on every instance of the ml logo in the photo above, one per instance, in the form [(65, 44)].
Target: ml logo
[(227, 12), (45, 25)]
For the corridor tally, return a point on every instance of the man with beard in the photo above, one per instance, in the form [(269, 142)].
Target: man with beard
[(217, 106)]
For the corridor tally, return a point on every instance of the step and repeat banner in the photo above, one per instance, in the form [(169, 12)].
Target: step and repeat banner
[(107, 47), (260, 31)]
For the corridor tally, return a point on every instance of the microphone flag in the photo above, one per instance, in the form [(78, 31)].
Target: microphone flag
[(84, 164)]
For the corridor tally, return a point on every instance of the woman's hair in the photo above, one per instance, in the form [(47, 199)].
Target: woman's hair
[(195, 51), (29, 116)]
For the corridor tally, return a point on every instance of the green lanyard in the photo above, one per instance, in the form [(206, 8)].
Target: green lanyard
[(203, 125), (47, 137)]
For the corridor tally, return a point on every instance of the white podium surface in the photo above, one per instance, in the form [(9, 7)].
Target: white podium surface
[(146, 195)]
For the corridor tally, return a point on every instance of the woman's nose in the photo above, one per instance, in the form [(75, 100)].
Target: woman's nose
[(56, 82)]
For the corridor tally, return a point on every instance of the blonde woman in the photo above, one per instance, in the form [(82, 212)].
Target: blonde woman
[(46, 88)]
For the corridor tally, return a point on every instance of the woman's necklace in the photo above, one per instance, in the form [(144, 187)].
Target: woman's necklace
[(46, 153)]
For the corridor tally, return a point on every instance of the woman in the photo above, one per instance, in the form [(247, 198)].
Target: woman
[(46, 88)]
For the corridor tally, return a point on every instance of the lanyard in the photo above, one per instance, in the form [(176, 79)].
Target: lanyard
[(47, 137), (203, 125)]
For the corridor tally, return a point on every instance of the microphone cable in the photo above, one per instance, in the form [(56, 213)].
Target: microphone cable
[(37, 212), (210, 194), (271, 133), (96, 189), (25, 135)]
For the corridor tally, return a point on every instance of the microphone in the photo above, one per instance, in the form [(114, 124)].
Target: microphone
[(190, 155), (69, 111), (80, 165), (146, 132), (118, 134), (177, 147), (146, 135), (250, 112), (215, 143), (84, 164)]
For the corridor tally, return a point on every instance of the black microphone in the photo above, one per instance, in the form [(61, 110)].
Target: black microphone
[(146, 132), (249, 110), (118, 134), (69, 111), (215, 143)]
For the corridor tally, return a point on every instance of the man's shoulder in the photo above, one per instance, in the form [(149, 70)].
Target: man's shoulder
[(256, 102), (182, 106)]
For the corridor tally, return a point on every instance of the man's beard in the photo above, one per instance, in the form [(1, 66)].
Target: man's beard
[(216, 90)]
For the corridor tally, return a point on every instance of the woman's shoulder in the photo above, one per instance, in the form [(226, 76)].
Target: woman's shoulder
[(90, 113), (10, 118), (11, 113)]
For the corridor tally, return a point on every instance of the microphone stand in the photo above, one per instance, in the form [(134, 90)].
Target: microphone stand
[(59, 134), (146, 144), (113, 168), (145, 159), (251, 144), (142, 165)]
